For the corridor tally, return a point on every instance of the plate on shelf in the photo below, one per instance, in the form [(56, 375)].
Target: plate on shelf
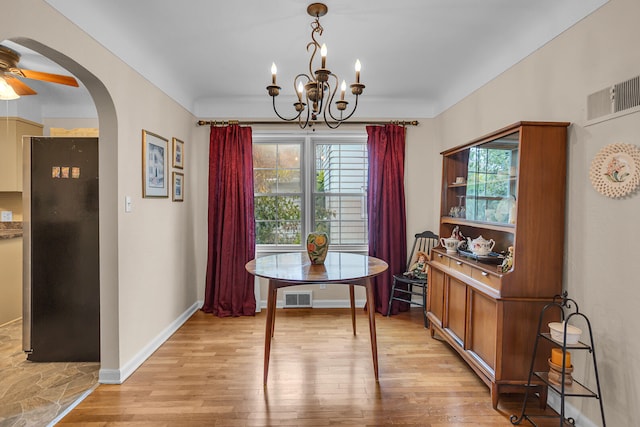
[(503, 209), (492, 257)]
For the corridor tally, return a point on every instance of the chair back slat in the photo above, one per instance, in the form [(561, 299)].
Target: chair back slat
[(424, 242)]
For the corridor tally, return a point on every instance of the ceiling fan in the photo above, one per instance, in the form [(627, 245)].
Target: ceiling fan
[(11, 87)]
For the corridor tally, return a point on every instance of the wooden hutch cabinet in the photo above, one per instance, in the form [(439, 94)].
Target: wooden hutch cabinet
[(508, 186)]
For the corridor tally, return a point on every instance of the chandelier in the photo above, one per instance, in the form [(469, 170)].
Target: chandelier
[(316, 91)]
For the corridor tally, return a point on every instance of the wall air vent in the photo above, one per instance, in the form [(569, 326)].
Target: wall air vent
[(619, 98), (297, 299), (626, 94), (600, 104)]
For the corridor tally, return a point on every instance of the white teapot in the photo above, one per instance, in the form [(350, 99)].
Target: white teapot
[(480, 246), (450, 244)]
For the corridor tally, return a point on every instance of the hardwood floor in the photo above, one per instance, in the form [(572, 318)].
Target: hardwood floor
[(209, 373)]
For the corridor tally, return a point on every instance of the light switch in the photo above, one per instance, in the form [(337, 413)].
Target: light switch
[(128, 205)]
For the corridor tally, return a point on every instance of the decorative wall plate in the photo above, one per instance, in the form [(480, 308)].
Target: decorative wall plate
[(615, 170)]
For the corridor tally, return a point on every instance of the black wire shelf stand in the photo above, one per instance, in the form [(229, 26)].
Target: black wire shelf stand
[(568, 310)]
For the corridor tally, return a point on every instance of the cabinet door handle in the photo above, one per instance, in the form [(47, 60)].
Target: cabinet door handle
[(458, 262), (484, 273)]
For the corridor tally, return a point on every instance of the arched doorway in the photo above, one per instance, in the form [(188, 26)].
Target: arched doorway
[(109, 345)]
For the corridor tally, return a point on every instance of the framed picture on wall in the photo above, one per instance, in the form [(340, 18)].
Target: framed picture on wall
[(178, 187), (178, 153), (155, 165)]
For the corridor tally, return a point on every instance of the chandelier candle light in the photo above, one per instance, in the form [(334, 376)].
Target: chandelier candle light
[(318, 88)]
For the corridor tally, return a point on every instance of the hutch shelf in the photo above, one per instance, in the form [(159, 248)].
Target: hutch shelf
[(508, 186)]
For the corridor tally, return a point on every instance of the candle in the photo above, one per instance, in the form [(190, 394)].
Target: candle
[(323, 52), (300, 88), (343, 88), (274, 70), (358, 66), (556, 357)]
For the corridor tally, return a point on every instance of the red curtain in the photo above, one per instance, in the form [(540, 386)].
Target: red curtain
[(229, 289), (386, 208)]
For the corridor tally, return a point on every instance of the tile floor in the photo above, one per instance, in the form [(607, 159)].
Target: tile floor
[(36, 394)]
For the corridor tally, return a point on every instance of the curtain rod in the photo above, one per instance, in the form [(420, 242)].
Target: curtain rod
[(275, 122)]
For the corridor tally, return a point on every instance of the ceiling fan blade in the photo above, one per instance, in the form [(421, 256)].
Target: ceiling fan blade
[(17, 85), (48, 77)]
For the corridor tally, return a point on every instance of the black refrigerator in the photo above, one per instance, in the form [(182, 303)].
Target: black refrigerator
[(61, 302)]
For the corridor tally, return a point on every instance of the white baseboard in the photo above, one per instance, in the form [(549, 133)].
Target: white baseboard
[(118, 376), (331, 303), (109, 376), (320, 303)]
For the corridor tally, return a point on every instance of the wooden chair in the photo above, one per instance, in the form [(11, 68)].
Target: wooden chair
[(403, 285)]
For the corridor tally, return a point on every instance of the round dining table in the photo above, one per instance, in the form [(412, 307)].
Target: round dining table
[(295, 268)]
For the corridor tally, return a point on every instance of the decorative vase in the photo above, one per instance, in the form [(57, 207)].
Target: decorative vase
[(317, 246)]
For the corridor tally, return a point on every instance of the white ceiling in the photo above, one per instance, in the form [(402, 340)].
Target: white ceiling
[(418, 57)]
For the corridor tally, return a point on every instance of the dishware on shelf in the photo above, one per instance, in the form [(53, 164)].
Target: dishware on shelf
[(557, 331), (490, 215), (459, 180), (490, 258), (480, 245), (450, 244), (459, 211), (555, 374), (556, 357), (506, 210)]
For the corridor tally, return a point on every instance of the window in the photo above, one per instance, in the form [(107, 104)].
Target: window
[(306, 183)]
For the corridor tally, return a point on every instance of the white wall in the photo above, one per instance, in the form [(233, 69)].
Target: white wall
[(149, 267), (552, 84), (423, 174)]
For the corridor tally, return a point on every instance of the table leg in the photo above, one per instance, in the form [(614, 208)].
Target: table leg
[(371, 308), (275, 303), (352, 300), (268, 333)]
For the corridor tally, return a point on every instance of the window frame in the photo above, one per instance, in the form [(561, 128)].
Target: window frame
[(308, 141)]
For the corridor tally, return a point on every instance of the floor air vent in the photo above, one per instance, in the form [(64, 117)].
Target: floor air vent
[(615, 99), (297, 299)]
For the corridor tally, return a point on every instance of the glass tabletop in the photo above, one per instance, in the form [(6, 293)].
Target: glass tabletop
[(296, 267)]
